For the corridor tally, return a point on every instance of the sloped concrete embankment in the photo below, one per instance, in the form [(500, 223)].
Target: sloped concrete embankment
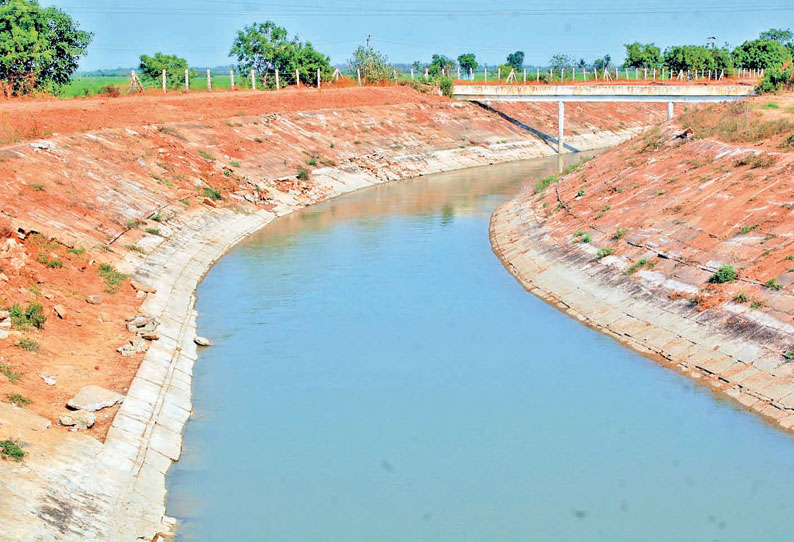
[(736, 355)]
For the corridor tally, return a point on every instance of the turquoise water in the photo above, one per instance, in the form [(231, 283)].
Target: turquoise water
[(379, 376)]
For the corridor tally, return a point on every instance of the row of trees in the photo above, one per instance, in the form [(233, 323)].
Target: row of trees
[(40, 49), (772, 48)]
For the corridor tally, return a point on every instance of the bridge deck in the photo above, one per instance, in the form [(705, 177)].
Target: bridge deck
[(602, 93)]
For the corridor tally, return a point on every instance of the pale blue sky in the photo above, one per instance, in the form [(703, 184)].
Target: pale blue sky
[(408, 30)]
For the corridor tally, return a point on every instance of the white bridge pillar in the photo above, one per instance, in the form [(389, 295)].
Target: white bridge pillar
[(560, 127), (669, 110)]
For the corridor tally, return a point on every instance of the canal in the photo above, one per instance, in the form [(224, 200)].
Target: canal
[(378, 376)]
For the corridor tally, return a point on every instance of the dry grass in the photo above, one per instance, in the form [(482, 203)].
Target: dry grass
[(733, 123)]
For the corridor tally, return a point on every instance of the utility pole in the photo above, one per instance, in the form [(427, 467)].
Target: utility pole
[(368, 38)]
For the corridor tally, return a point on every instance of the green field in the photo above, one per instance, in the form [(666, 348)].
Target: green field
[(91, 85)]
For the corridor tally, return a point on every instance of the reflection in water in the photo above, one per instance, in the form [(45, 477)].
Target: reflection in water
[(378, 376)]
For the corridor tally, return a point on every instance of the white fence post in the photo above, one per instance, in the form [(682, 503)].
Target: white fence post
[(209, 80), (412, 74), (231, 78), (253, 79), (318, 78), (187, 80), (358, 75), (278, 81), (298, 77), (164, 80)]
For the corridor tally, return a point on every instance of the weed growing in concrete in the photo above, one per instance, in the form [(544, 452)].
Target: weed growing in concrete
[(33, 316), (740, 298), (9, 373), (303, 174), (185, 202), (773, 284), (11, 450), (212, 193), (620, 234), (113, 278), (580, 193), (77, 250), (157, 217), (726, 273), (636, 266), (747, 229), (37, 187), (153, 231), (756, 161), (134, 248), (18, 400), (604, 252), (132, 224), (53, 263), (28, 345), (207, 156), (653, 140), (789, 355), (756, 304), (311, 161), (170, 131), (234, 163), (545, 182), (583, 237)]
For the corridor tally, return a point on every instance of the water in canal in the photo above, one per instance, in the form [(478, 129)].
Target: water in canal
[(378, 376)]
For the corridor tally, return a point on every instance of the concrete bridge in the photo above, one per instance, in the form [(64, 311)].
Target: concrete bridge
[(661, 93)]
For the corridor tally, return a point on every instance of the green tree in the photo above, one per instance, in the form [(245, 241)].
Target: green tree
[(439, 64), (516, 60), (265, 47), (559, 62), (761, 54), (467, 62), (642, 55), (39, 47), (152, 69), (373, 65), (603, 63), (697, 57), (782, 35)]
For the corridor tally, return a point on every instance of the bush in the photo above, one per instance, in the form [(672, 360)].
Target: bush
[(445, 84), (303, 174), (152, 69), (11, 450), (33, 315), (775, 79), (725, 273)]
